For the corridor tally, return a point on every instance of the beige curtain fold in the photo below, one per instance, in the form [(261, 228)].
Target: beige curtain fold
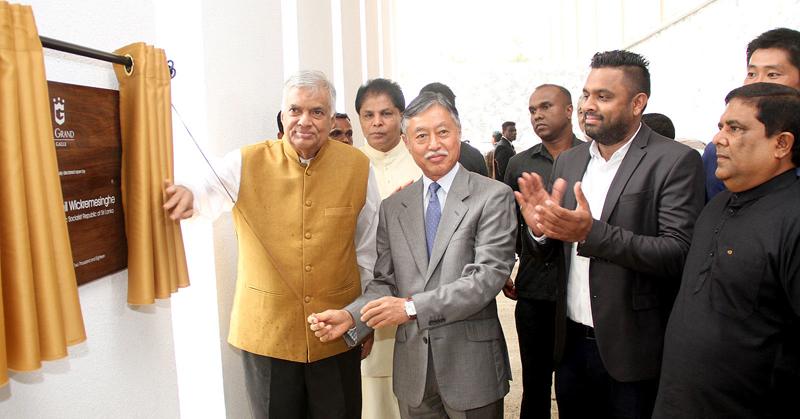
[(41, 314), (156, 260)]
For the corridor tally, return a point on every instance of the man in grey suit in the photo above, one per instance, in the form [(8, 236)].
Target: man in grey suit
[(624, 227), (445, 248)]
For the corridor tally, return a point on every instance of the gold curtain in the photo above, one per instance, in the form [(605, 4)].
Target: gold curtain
[(40, 314), (156, 261)]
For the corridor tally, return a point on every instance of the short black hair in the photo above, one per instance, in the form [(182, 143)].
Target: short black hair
[(659, 123), (777, 107), (780, 38), (633, 64), (563, 90), (280, 123), (508, 124), (340, 115), (441, 89), (381, 86)]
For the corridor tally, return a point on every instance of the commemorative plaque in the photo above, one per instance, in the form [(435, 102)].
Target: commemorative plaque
[(86, 136)]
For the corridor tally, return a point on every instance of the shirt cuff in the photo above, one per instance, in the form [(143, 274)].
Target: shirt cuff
[(539, 239)]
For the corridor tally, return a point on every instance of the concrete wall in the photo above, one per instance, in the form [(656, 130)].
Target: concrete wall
[(697, 61), (126, 368), (170, 359)]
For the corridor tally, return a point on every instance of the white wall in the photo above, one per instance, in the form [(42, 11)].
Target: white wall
[(494, 54), (697, 61), (126, 368), (170, 359)]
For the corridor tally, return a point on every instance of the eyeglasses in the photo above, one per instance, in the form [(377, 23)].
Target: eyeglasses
[(337, 133)]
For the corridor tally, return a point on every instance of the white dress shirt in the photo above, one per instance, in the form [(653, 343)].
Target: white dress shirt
[(445, 182), (595, 184), (210, 200)]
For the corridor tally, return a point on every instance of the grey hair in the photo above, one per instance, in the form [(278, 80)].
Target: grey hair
[(422, 103), (310, 79)]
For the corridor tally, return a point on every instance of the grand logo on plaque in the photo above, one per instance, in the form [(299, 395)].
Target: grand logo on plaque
[(88, 144)]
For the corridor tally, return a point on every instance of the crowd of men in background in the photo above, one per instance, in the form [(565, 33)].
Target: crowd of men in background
[(653, 282)]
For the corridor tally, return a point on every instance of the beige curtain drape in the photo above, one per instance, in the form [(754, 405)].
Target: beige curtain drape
[(156, 260), (40, 314)]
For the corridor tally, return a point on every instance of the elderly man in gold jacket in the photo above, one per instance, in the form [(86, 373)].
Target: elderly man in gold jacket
[(305, 211)]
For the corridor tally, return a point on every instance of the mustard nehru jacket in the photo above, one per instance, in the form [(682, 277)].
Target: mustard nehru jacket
[(296, 230)]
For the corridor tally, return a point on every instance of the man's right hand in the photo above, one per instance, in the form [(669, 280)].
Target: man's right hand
[(179, 201), (330, 324), (532, 193), (509, 289)]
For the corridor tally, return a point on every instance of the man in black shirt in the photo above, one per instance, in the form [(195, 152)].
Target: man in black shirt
[(731, 346), (550, 107)]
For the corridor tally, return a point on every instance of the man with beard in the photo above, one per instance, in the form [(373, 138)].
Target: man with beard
[(537, 280), (630, 198)]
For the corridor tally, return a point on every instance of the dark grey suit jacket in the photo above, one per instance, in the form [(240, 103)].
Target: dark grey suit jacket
[(454, 293), (637, 248), (472, 159)]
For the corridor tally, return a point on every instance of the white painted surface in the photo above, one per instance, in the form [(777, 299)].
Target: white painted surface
[(126, 368)]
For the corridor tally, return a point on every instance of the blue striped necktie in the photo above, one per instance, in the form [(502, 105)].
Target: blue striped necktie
[(432, 216)]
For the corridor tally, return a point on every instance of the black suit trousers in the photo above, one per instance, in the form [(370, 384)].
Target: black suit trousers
[(280, 389), (584, 389), (536, 332)]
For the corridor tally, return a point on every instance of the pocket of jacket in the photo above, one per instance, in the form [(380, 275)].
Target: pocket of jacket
[(484, 330), (339, 211), (735, 285)]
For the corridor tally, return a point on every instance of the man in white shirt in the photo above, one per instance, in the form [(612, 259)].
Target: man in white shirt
[(319, 253), (380, 104), (624, 226)]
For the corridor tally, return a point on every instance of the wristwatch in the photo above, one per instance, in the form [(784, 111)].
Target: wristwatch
[(411, 311)]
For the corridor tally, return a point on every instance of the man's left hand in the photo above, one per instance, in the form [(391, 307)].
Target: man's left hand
[(559, 223), (385, 311)]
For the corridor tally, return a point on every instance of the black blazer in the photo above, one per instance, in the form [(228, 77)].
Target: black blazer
[(472, 159), (637, 248), (503, 151)]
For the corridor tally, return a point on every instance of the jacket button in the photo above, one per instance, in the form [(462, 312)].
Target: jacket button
[(308, 172), (307, 299), (308, 202), (308, 235), (308, 268), (424, 340)]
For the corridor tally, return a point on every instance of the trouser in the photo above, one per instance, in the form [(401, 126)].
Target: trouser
[(584, 389), (328, 388), (535, 321), (434, 407)]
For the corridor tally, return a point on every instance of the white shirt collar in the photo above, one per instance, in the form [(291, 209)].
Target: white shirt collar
[(375, 154), (445, 181), (594, 151)]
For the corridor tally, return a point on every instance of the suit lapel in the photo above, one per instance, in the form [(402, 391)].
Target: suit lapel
[(629, 164), (452, 214), (574, 174), (412, 223)]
